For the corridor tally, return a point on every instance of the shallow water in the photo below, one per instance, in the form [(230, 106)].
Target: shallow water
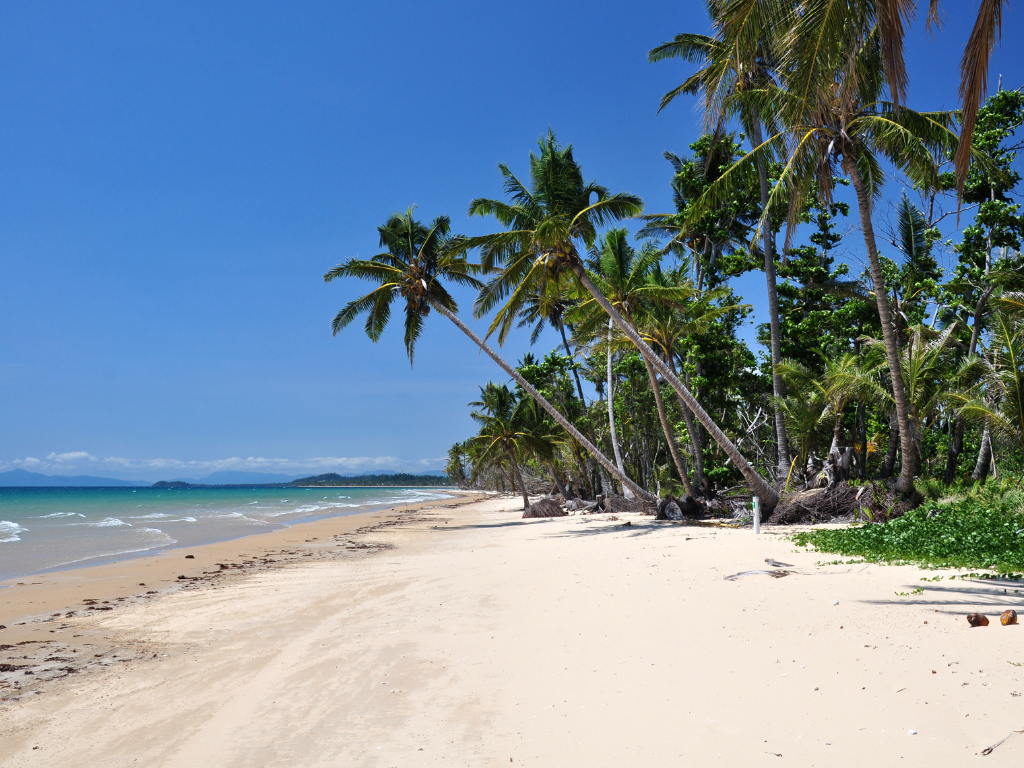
[(47, 528)]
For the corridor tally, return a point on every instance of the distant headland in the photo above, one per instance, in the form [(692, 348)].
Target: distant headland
[(331, 479)]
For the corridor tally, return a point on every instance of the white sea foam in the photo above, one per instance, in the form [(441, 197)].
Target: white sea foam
[(9, 532), (107, 522), (61, 514)]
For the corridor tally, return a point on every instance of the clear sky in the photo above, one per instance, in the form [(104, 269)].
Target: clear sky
[(175, 178)]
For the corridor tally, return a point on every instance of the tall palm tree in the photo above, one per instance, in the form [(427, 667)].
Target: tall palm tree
[(547, 226), (413, 267), (626, 277), (824, 25), (848, 128), (738, 58)]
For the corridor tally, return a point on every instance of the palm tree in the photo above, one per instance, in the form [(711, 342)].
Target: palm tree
[(823, 26), (546, 228), (736, 59), (626, 277), (501, 434), (549, 306), (849, 128), (416, 261), (999, 402)]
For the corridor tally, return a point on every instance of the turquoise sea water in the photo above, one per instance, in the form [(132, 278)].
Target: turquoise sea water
[(47, 528)]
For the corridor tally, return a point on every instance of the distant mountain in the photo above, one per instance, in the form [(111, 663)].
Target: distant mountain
[(236, 477), (399, 478), (19, 478)]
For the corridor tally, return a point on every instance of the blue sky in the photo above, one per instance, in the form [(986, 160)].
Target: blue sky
[(176, 178)]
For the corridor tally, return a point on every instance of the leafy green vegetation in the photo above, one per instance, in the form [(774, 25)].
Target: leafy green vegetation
[(979, 529)]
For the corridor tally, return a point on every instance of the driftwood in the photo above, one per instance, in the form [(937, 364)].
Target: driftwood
[(615, 504), (839, 504), (773, 574), (672, 508), (544, 508)]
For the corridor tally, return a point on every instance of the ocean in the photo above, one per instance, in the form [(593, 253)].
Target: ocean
[(51, 528)]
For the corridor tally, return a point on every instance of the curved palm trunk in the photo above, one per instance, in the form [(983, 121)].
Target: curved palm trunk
[(559, 418), (984, 462), (778, 388), (908, 468), (667, 429), (518, 475), (611, 407), (694, 435), (769, 497)]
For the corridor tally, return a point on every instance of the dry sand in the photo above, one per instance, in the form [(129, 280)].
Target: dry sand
[(477, 638)]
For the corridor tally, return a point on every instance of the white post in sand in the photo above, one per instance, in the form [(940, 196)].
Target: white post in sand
[(757, 515)]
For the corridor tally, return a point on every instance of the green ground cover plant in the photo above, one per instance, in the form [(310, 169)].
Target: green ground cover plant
[(979, 528)]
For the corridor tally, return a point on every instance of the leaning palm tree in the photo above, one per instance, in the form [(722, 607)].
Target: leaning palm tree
[(547, 226), (413, 267), (738, 58), (627, 278)]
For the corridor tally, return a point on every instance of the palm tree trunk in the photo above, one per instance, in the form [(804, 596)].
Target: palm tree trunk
[(558, 417), (611, 406), (695, 442), (769, 497), (908, 470), (778, 388), (518, 476), (984, 462), (575, 373), (667, 429)]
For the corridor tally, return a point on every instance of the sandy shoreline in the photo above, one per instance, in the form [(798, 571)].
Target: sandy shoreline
[(467, 636)]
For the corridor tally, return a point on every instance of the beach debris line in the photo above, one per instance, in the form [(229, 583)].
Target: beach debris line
[(977, 619), (1008, 618), (544, 508), (773, 574), (776, 564)]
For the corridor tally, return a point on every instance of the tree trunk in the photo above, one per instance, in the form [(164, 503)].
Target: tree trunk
[(558, 481), (956, 442), (667, 429), (984, 462), (695, 441), (908, 470), (558, 417), (611, 408), (518, 476), (778, 388), (575, 373), (769, 497), (862, 433), (890, 452), (956, 447)]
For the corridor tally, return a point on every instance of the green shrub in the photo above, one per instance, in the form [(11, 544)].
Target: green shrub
[(983, 528)]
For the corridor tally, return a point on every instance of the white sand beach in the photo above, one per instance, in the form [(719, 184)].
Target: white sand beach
[(478, 638)]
